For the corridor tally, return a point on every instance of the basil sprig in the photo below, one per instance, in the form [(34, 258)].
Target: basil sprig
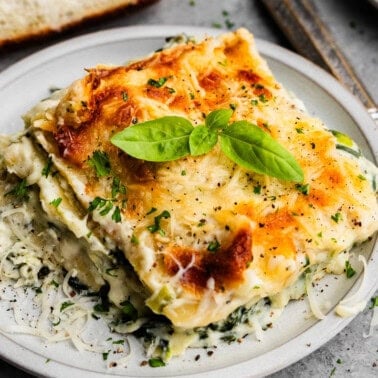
[(171, 138)]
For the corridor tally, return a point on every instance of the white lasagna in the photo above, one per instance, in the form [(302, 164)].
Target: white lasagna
[(189, 249)]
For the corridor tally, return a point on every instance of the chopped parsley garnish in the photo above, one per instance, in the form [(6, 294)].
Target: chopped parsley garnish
[(118, 342), (299, 130), (201, 223), (183, 172), (303, 188), (262, 98), (134, 239), (98, 202), (217, 25), (374, 302), (20, 191), (47, 168), (156, 226), (111, 272), (257, 189), (56, 202), (105, 209), (54, 283), (337, 217), (100, 162), (349, 271), (64, 305), (229, 24), (156, 362), (152, 210), (157, 83), (361, 177), (125, 96), (100, 308), (117, 215), (105, 356), (213, 246), (129, 312), (105, 205), (348, 150), (307, 261), (254, 102), (117, 187)]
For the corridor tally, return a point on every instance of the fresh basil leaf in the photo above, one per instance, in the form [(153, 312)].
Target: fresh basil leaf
[(162, 139), (202, 140), (252, 148), (218, 118)]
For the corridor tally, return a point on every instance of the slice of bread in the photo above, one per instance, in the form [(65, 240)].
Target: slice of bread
[(25, 19)]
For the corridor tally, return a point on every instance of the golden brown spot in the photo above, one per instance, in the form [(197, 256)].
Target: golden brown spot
[(159, 94), (226, 266), (278, 220), (262, 91), (319, 197), (212, 81), (248, 76), (124, 114), (332, 177), (180, 102)]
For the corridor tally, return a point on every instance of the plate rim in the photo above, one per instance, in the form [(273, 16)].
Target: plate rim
[(329, 84)]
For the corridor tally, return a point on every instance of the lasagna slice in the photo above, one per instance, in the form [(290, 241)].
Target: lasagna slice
[(203, 235)]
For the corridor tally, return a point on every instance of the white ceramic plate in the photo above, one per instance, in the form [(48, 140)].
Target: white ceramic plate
[(296, 334)]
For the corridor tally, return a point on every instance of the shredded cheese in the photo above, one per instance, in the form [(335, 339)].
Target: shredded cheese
[(354, 304)]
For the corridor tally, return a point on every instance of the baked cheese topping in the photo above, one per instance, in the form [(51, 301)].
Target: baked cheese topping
[(203, 234)]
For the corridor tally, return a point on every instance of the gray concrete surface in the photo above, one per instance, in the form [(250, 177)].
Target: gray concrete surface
[(355, 28)]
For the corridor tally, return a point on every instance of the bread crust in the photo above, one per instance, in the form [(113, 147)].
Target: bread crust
[(48, 30)]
